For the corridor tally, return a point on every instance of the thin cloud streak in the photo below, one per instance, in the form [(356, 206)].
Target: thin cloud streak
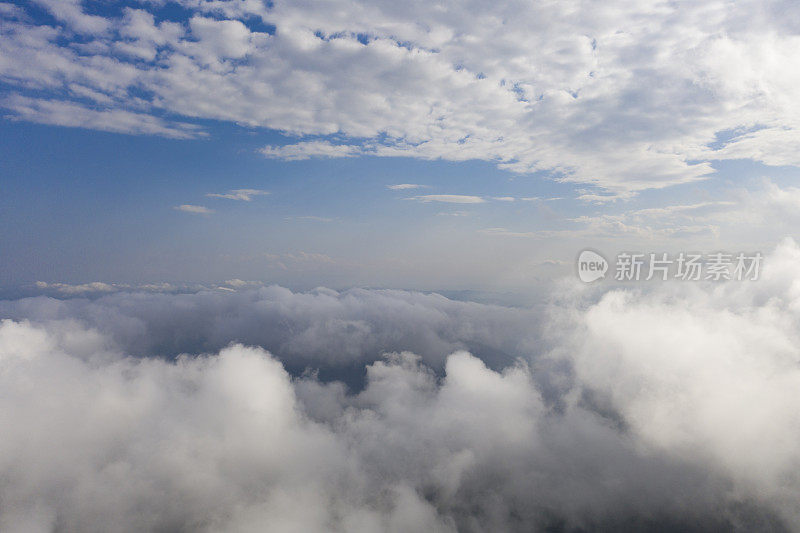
[(405, 186), (449, 199), (244, 195), (194, 209)]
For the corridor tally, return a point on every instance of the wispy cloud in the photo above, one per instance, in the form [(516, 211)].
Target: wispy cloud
[(308, 149), (405, 186), (75, 115), (602, 198), (540, 199), (449, 198), (194, 209), (677, 209), (299, 260), (244, 195)]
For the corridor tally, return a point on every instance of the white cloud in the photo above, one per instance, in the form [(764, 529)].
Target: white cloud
[(740, 216), (12, 12), (239, 194), (309, 149), (237, 283), (83, 288), (450, 198), (196, 209), (539, 199), (711, 369), (320, 326), (404, 186), (674, 405), (64, 113), (71, 12), (671, 210), (222, 38), (628, 97)]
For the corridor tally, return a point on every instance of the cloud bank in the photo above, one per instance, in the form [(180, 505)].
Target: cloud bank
[(673, 408)]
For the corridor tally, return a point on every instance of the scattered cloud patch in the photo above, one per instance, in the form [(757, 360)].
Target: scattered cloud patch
[(618, 111), (244, 195), (540, 199), (194, 209), (83, 288), (308, 149), (404, 186), (449, 199)]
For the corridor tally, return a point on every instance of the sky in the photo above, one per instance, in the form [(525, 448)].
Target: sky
[(311, 266), (387, 147)]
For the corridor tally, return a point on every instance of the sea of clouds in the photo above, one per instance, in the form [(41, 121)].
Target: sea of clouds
[(657, 407)]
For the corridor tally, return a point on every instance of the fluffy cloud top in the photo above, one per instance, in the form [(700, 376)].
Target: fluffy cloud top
[(625, 96), (321, 329), (673, 408)]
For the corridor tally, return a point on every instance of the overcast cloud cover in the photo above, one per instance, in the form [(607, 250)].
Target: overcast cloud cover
[(671, 408)]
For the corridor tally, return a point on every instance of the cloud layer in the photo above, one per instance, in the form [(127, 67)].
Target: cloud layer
[(674, 407), (625, 96)]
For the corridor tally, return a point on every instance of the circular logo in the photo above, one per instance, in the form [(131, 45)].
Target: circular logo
[(591, 266)]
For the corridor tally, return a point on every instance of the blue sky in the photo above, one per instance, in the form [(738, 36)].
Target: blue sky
[(580, 132), (86, 205)]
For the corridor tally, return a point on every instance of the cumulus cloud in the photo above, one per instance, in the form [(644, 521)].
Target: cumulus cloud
[(222, 38), (72, 13), (673, 407), (625, 97)]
